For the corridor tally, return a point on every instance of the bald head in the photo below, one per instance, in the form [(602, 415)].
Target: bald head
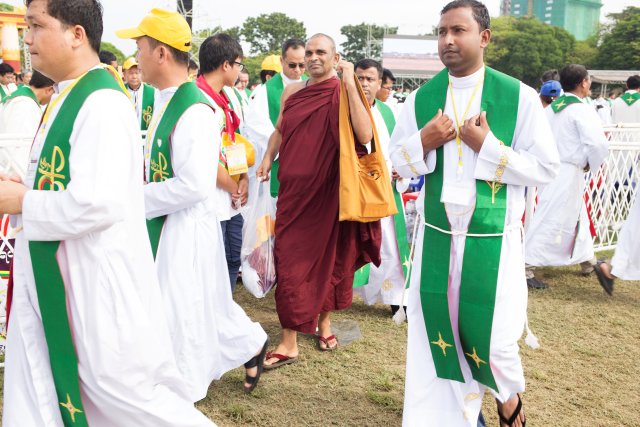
[(325, 37)]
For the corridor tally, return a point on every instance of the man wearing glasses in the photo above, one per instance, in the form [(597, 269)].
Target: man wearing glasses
[(384, 93), (264, 108)]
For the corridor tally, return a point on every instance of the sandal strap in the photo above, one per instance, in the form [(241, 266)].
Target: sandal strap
[(250, 380), (252, 363), (509, 422), (278, 356), (327, 339)]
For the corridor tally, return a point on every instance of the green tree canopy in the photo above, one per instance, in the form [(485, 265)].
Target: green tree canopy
[(266, 33), (4, 7), (619, 47), (357, 46), (525, 47), (117, 52)]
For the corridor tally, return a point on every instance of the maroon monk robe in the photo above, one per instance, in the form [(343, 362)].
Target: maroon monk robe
[(316, 255)]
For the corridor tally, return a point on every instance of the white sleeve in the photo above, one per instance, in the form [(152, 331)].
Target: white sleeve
[(104, 141), (22, 116), (532, 158), (405, 146), (591, 133), (194, 159), (258, 124)]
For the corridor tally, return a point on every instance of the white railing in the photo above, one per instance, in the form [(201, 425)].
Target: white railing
[(609, 191)]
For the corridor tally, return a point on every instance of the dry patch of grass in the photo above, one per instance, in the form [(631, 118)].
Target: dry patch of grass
[(585, 373)]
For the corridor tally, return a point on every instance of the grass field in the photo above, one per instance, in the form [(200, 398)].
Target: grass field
[(585, 374)]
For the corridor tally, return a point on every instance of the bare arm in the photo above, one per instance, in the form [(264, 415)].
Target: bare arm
[(360, 119), (225, 181), (276, 137)]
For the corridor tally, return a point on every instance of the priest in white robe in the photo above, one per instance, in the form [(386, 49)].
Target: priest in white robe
[(559, 233), (211, 334), (626, 108), (477, 163), (385, 283), (111, 364)]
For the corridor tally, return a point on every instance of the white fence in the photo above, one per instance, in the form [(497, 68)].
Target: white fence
[(609, 191)]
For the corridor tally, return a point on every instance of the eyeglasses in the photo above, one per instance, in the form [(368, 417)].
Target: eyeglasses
[(386, 88), (294, 65), (239, 64)]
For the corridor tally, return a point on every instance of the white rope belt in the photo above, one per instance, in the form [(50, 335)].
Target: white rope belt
[(516, 226)]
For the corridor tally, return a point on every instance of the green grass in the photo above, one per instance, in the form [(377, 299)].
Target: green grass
[(585, 373)]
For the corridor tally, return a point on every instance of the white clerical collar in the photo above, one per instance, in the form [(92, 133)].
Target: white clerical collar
[(286, 80), (134, 90), (631, 91), (467, 81), (573, 94), (167, 93)]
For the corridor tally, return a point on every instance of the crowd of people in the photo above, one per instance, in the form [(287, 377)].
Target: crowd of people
[(121, 304)]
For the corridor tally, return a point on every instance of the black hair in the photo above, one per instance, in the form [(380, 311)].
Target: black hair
[(633, 82), (572, 75), (39, 80), (365, 64), (181, 57), (291, 44), (388, 75), (478, 9), (86, 13), (6, 69), (218, 49), (193, 65), (550, 75), (107, 57), (265, 73)]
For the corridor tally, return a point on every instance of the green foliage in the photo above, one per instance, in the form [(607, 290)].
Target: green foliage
[(584, 52), (117, 52), (266, 33), (4, 7), (619, 48), (355, 48), (525, 48), (252, 63)]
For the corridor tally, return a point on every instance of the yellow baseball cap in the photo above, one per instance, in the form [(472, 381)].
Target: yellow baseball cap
[(163, 25), (272, 63), (130, 62)]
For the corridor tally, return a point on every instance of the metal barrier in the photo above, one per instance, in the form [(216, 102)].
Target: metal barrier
[(611, 190)]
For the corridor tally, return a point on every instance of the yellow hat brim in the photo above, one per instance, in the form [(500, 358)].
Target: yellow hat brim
[(129, 33)]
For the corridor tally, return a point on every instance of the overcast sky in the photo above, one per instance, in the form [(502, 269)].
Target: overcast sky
[(327, 16)]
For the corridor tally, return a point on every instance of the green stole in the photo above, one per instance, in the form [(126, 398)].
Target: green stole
[(187, 95), (3, 93), (275, 87), (146, 109), (53, 175), (563, 102), (361, 276), (22, 91), (630, 98), (481, 259)]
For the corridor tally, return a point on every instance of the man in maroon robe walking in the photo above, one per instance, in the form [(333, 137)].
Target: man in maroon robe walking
[(316, 255)]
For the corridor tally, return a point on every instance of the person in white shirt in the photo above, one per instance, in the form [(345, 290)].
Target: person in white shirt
[(6, 86), (559, 233), (626, 108), (142, 95)]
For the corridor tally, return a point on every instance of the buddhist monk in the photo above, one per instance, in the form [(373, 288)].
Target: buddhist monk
[(315, 254)]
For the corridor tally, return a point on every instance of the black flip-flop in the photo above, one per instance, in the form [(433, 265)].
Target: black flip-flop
[(509, 422), (255, 361), (605, 282)]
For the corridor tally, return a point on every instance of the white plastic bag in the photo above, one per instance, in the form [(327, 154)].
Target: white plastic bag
[(258, 266)]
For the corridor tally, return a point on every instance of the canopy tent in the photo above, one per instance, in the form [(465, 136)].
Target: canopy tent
[(607, 77)]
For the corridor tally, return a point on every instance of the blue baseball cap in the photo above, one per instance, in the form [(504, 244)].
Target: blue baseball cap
[(551, 88)]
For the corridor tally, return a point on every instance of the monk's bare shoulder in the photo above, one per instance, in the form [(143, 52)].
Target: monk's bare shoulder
[(290, 89)]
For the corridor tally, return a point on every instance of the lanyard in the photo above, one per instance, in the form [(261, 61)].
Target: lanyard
[(151, 132), (460, 122)]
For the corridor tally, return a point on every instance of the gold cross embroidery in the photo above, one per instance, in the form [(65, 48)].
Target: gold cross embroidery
[(442, 344), (560, 105), (72, 409), (476, 358)]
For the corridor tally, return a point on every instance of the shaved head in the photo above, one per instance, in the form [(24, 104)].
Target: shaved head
[(324, 36)]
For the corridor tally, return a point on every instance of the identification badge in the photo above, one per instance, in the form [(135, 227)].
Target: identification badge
[(457, 192), (236, 159)]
